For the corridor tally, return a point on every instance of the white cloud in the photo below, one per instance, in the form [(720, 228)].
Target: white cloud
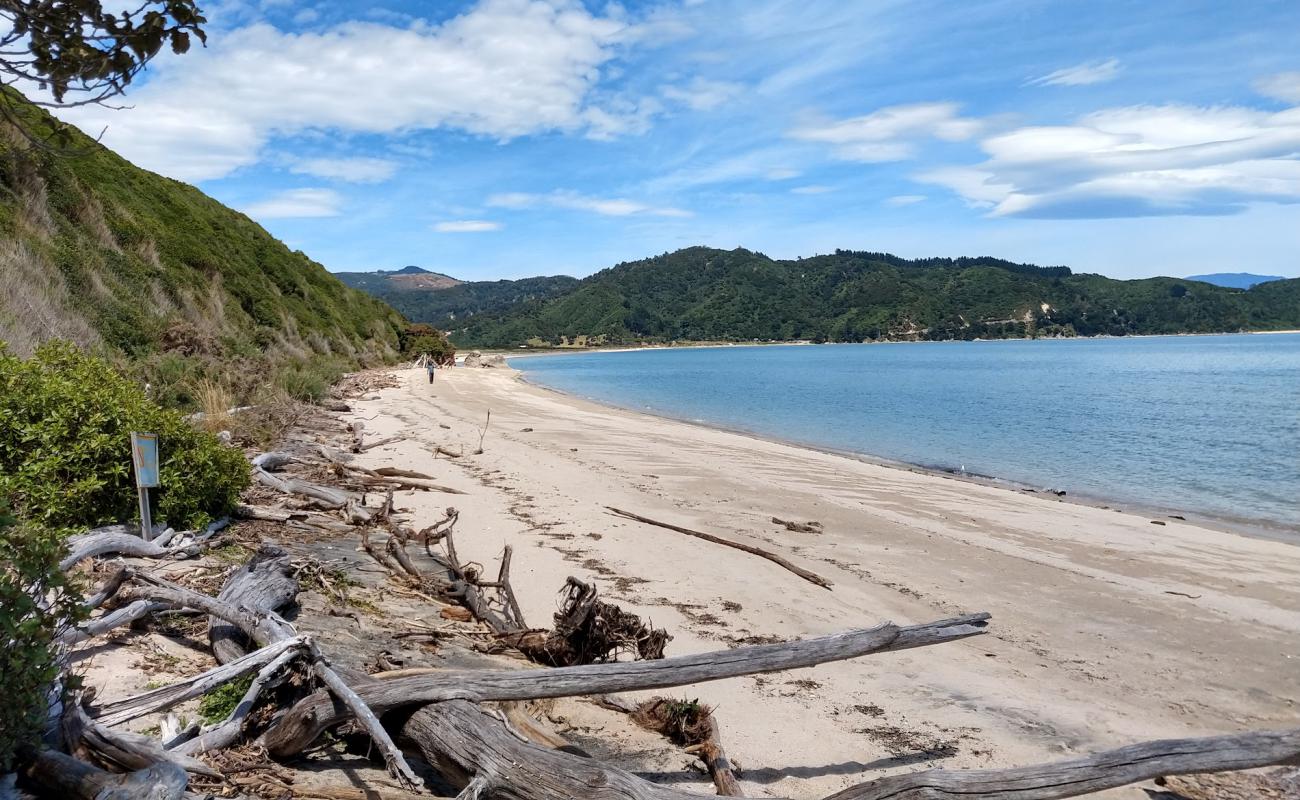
[(1284, 86), (504, 68), (1081, 74), (606, 206), (297, 203), (1133, 161), (701, 94), (891, 133), (812, 189), (352, 170), (467, 226), (900, 200), (782, 174)]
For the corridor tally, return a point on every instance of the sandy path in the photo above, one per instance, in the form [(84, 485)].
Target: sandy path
[(1089, 649)]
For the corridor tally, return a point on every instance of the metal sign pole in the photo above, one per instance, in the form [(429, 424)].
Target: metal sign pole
[(144, 456), (146, 523)]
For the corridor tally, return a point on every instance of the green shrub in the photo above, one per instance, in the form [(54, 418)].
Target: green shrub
[(65, 454), (421, 339), (218, 704), (36, 601)]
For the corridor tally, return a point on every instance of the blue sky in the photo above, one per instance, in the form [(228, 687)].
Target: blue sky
[(507, 138)]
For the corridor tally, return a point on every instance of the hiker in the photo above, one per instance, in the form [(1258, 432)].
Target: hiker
[(430, 367)]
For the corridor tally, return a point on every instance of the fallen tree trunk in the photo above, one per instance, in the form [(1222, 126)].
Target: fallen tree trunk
[(470, 748), (811, 577), (1096, 773), (300, 726), (228, 731)]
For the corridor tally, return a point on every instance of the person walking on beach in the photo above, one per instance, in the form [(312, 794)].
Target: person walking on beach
[(429, 365)]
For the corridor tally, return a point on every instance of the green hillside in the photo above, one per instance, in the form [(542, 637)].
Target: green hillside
[(165, 280), (448, 306), (705, 294)]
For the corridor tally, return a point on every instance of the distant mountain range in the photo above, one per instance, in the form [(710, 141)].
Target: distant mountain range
[(446, 302), (1235, 280), (703, 294)]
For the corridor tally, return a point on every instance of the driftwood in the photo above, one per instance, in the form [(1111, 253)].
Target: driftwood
[(261, 586), (398, 472), (1106, 770), (166, 697), (372, 445), (300, 726), (466, 745), (811, 526), (692, 725), (811, 577), (327, 497), (131, 751), (409, 483), (228, 731), (115, 539), (264, 627), (63, 776)]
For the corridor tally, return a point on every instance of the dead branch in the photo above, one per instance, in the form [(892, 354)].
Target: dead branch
[(811, 526), (166, 697), (380, 443), (228, 731), (327, 497), (811, 577), (305, 721)]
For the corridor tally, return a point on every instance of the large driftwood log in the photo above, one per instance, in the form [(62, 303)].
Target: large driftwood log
[(304, 722), (261, 586), (807, 575), (63, 776), (1105, 770), (470, 748), (130, 751)]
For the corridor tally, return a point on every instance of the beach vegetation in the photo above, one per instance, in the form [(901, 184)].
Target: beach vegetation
[(37, 602), (65, 454)]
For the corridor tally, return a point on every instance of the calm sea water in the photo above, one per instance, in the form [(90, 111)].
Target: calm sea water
[(1203, 424)]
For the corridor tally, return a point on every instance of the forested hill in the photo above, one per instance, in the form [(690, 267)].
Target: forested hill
[(445, 302), (705, 294), (165, 280)]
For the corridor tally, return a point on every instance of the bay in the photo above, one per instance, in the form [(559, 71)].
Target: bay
[(1203, 424)]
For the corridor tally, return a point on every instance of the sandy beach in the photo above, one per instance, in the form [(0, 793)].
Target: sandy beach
[(1106, 629)]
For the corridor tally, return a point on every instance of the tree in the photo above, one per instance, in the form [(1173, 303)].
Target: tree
[(83, 54)]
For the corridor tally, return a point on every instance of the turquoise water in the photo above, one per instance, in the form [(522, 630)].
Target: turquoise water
[(1202, 424)]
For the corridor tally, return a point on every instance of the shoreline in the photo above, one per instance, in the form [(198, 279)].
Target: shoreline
[(1105, 629), (526, 352), (1268, 530)]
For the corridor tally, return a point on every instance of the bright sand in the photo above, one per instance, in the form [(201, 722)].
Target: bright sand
[(1106, 629)]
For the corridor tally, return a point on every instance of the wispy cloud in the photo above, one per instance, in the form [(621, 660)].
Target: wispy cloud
[(1136, 161), (891, 133), (701, 94), (900, 200), (607, 206), (1284, 86), (466, 226), (812, 189), (1080, 74), (297, 203), (351, 170)]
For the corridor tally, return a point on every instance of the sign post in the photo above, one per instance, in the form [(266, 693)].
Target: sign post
[(144, 456)]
